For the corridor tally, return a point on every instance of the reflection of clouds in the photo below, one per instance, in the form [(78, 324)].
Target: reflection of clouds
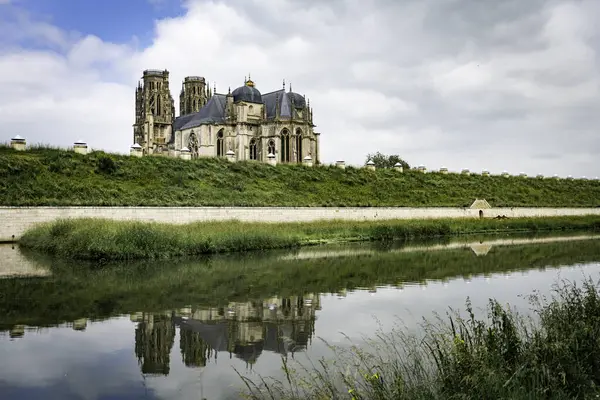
[(101, 361), (86, 364), (409, 306)]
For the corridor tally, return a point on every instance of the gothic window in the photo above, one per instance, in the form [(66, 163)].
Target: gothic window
[(298, 145), (253, 152), (220, 144), (285, 146), (271, 147)]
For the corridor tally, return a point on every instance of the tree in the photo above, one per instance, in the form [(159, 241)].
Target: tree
[(383, 161)]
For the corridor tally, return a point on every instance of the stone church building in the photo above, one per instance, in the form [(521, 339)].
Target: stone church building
[(243, 124)]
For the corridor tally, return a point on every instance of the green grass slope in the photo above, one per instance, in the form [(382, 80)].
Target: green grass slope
[(53, 177)]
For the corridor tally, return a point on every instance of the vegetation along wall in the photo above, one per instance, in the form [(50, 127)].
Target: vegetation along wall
[(16, 220)]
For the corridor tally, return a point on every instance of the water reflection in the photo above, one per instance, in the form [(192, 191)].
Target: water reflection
[(242, 329), (175, 329)]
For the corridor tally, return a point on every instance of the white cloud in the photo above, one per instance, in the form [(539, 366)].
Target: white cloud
[(440, 85)]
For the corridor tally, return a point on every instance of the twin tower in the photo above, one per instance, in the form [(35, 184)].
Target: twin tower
[(153, 96), (153, 101)]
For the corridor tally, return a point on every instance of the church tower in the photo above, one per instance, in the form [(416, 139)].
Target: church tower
[(155, 110), (194, 95)]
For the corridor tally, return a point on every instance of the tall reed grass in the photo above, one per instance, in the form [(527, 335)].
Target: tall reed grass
[(97, 239), (503, 356)]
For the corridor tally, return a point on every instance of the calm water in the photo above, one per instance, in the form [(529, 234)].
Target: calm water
[(180, 330)]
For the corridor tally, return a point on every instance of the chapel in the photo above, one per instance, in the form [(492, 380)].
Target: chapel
[(243, 124)]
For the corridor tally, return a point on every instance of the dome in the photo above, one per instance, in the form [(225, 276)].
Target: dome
[(247, 93), (299, 101)]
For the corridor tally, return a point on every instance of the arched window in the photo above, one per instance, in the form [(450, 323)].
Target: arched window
[(285, 146), (220, 144), (253, 152), (271, 147), (298, 145), (250, 110)]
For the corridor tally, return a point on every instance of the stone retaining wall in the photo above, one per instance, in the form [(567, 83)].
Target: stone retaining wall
[(16, 220)]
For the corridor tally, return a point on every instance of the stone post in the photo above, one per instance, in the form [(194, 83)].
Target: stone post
[(340, 164), (307, 161), (422, 168), (371, 166), (444, 171), (485, 172), (185, 154), (271, 159), (398, 167), (230, 155), (136, 150), (18, 143), (465, 171), (80, 147)]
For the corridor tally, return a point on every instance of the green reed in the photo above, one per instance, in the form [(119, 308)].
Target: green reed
[(98, 239)]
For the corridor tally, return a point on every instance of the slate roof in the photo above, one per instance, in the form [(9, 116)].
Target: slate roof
[(246, 93), (212, 112), (270, 102)]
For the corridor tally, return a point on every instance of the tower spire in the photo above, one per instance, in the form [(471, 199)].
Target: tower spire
[(284, 84)]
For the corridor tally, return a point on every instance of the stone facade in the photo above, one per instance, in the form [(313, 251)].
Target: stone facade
[(243, 121)]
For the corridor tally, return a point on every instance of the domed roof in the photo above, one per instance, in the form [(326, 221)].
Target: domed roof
[(247, 93), (299, 101)]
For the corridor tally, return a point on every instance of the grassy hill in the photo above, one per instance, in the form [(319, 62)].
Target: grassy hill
[(53, 177)]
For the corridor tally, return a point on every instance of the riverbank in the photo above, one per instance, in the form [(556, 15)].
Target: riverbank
[(504, 356), (99, 239), (53, 177), (67, 290)]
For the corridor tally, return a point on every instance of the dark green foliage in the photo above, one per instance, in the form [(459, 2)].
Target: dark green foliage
[(51, 177), (106, 165), (503, 356), (83, 288), (382, 161), (96, 239)]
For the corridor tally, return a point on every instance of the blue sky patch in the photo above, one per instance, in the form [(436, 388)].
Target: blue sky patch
[(116, 21)]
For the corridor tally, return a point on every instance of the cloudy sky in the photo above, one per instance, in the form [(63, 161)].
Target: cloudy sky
[(497, 84)]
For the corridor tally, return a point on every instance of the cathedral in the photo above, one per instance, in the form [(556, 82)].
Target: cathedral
[(243, 124)]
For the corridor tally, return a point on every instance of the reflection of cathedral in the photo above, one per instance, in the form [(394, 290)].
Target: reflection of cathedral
[(241, 329), (154, 337)]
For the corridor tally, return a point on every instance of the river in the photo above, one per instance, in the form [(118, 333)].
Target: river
[(184, 329)]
